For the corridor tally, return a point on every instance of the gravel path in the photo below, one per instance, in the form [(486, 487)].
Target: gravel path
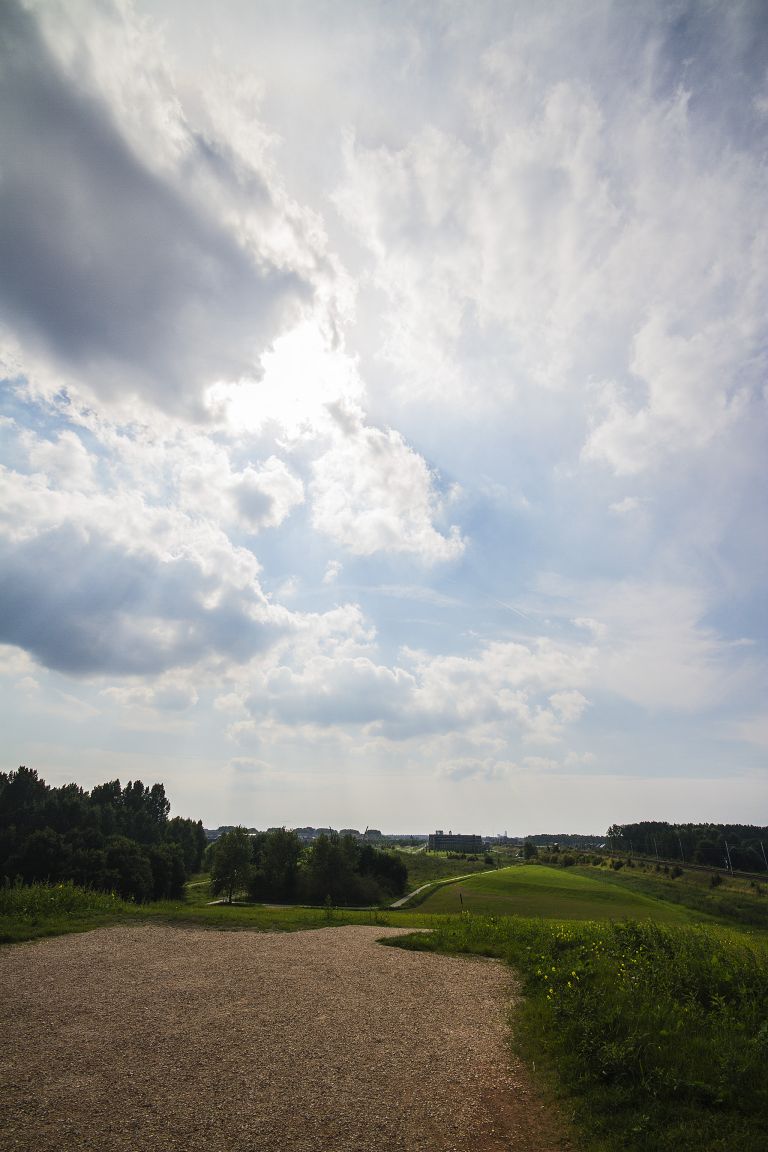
[(146, 1037)]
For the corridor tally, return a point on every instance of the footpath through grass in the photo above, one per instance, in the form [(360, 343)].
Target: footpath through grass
[(658, 1034), (553, 893)]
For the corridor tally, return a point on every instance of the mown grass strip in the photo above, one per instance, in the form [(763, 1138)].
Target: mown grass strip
[(554, 893)]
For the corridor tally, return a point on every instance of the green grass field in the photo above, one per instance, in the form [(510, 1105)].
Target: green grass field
[(552, 893)]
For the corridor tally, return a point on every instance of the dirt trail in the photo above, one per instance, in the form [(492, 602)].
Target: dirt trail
[(146, 1037)]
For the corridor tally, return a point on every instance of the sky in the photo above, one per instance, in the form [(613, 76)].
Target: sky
[(384, 408)]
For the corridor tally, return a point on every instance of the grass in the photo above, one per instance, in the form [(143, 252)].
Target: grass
[(31, 911), (733, 901), (553, 893), (657, 1034), (426, 867)]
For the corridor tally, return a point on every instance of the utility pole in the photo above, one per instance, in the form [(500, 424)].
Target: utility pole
[(728, 854), (682, 857), (762, 846), (656, 848)]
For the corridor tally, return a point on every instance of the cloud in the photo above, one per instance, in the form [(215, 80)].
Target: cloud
[(504, 691), (249, 766), (655, 648), (474, 769), (546, 240), (753, 729), (114, 578), (627, 505), (372, 493), (193, 284), (266, 496), (568, 706), (332, 571), (172, 693), (111, 610)]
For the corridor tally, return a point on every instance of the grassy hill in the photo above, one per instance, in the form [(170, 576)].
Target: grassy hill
[(552, 893)]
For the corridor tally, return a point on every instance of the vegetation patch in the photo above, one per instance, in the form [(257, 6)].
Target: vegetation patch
[(425, 867), (31, 910), (28, 911), (657, 1033), (734, 899)]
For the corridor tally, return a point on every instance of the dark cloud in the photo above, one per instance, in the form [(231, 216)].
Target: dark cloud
[(116, 272), (83, 605)]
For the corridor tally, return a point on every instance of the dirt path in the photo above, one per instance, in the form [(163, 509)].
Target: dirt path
[(147, 1037)]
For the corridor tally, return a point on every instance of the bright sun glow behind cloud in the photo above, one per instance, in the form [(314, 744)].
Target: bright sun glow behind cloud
[(302, 374)]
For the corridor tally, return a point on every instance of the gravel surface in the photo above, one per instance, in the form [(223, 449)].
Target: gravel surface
[(146, 1037)]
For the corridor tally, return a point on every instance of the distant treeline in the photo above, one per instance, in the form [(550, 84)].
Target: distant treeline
[(277, 866), (741, 846), (564, 839), (113, 839)]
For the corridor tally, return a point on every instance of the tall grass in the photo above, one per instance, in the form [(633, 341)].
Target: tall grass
[(659, 1034), (29, 910), (730, 900)]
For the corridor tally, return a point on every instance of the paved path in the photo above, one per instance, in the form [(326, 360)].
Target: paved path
[(438, 884)]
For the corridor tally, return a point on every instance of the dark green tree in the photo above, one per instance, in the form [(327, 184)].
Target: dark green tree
[(231, 863), (128, 870), (276, 856)]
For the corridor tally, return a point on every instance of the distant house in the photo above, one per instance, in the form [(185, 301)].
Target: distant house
[(453, 842)]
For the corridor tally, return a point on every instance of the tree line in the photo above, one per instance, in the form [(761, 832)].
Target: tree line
[(277, 866), (114, 838), (743, 847)]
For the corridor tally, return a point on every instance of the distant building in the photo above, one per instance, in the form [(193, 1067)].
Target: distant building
[(453, 842)]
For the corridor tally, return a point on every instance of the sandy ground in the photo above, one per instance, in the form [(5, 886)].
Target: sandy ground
[(146, 1037)]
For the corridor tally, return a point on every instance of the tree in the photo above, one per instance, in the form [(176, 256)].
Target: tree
[(190, 836), (231, 863), (128, 871), (276, 856), (530, 851)]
